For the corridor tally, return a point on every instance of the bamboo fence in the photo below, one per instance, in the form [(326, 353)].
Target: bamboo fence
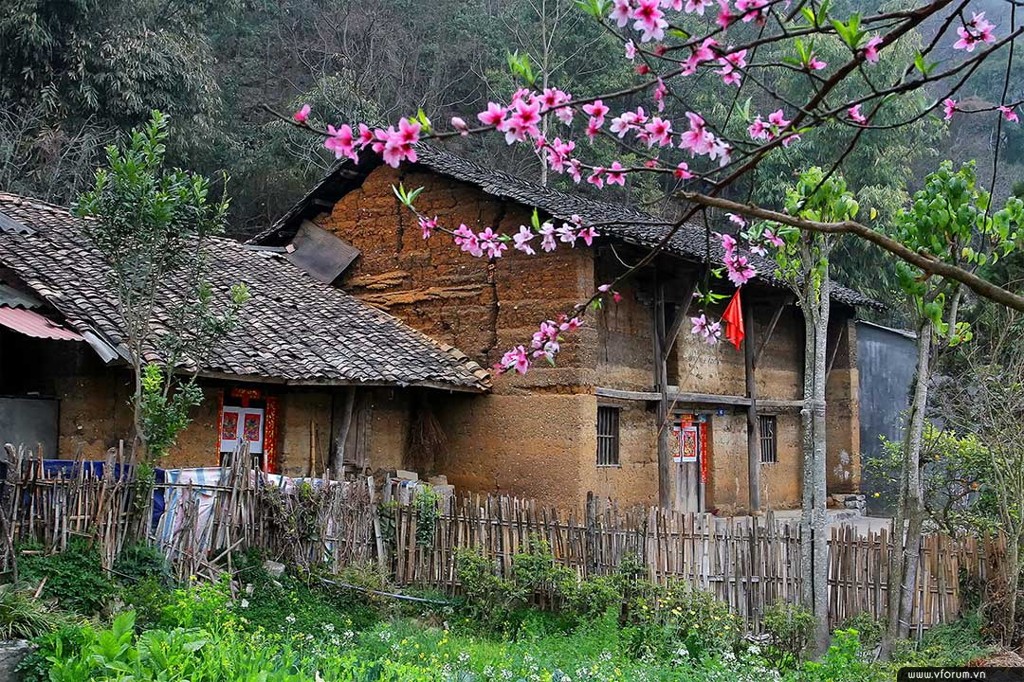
[(747, 563)]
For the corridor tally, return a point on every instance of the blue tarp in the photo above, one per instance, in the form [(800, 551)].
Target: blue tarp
[(68, 468)]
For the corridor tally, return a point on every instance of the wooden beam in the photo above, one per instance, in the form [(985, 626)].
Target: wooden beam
[(706, 398), (649, 396), (753, 424), (682, 312), (780, 404), (699, 398), (835, 350), (661, 385), (768, 333)]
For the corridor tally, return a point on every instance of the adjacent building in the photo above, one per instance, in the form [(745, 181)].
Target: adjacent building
[(309, 374)]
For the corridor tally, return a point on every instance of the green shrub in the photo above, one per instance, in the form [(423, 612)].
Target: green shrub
[(868, 628), (22, 616), (789, 628), (141, 561), (843, 662), (64, 642), (74, 578)]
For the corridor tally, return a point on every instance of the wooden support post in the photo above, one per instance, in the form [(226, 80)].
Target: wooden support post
[(768, 333), (661, 386), (341, 437), (753, 424)]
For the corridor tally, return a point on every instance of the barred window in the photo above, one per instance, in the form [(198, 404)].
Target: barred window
[(607, 436), (769, 445)]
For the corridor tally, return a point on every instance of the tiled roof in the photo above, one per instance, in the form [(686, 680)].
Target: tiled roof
[(294, 329), (616, 221)]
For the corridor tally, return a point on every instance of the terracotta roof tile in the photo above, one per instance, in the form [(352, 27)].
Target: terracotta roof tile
[(295, 329)]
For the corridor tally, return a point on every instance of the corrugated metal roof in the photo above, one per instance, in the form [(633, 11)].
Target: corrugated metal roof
[(12, 298), (32, 323)]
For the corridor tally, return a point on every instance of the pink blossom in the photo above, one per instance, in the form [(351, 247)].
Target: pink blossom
[(711, 332), (428, 225), (630, 50), (569, 325), (494, 116), (855, 115), (596, 177), (396, 146), (616, 175), (650, 20), (593, 128), (815, 64), (521, 240), (523, 121), (739, 269), (778, 118), (977, 30), (682, 171), (948, 107), (567, 234), (302, 114), (341, 142), (491, 243), (622, 10), (696, 6), (547, 234), (516, 359), (737, 220), (460, 125), (731, 65), (365, 136), (587, 234), (728, 242), (790, 139), (697, 139), (720, 150), (575, 170), (752, 10), (467, 241), (558, 154), (758, 130), (1009, 114), (773, 239), (659, 131), (597, 110), (660, 90), (871, 49), (725, 17)]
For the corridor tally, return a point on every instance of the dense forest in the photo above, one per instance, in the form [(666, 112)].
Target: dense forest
[(77, 74)]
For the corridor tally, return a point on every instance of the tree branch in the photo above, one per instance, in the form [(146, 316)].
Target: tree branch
[(926, 263)]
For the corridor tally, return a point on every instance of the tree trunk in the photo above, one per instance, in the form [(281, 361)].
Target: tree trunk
[(909, 519), (814, 526)]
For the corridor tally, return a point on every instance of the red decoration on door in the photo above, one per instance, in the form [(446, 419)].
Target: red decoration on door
[(270, 453), (733, 319), (705, 454)]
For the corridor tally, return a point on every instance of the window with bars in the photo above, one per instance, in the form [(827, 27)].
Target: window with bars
[(607, 436), (769, 445)]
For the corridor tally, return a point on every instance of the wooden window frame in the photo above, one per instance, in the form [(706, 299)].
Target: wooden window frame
[(769, 438), (608, 431)]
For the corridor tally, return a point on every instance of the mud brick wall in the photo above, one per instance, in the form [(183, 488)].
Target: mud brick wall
[(534, 434)]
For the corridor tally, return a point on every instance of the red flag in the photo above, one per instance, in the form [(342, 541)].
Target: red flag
[(733, 319)]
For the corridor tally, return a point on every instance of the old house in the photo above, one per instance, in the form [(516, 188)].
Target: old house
[(310, 372), (591, 423)]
